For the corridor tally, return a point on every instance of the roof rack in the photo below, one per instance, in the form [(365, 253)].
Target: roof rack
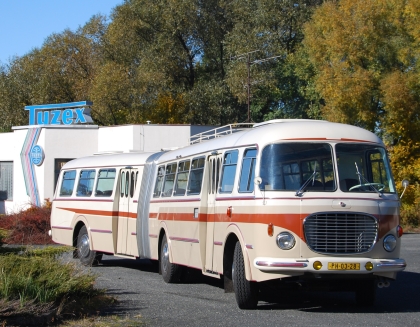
[(219, 132)]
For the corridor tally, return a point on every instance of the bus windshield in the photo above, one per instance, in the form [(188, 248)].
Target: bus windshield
[(363, 168), (308, 167), (289, 166)]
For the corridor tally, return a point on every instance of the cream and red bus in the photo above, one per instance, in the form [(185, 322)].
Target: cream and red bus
[(284, 201)]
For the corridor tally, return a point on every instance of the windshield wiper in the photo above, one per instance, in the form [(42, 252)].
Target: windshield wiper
[(299, 192), (367, 183)]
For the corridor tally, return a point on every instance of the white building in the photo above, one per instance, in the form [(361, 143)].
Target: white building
[(31, 156)]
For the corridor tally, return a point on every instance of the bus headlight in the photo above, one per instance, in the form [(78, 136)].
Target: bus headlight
[(390, 242), (285, 241)]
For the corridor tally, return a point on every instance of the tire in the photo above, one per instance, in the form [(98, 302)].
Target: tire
[(171, 272), (246, 292), (86, 256), (366, 293)]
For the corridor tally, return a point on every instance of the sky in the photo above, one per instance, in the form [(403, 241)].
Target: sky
[(25, 24)]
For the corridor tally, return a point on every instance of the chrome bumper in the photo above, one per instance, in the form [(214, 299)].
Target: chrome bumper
[(307, 265)]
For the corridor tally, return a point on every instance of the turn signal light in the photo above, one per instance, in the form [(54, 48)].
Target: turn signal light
[(229, 212), (369, 266), (399, 231), (270, 229), (317, 265)]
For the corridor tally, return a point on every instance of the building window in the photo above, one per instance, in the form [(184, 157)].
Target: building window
[(6, 180)]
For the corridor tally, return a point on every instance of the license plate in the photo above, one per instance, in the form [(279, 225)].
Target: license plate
[(343, 266)]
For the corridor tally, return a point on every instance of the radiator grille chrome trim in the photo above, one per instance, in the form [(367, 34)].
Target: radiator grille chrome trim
[(340, 233)]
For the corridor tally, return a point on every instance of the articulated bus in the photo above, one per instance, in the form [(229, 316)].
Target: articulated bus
[(283, 202)]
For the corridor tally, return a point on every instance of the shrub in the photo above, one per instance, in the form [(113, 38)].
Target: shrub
[(39, 283), (29, 226)]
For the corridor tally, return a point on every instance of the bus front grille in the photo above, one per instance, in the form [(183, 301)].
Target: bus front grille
[(340, 233)]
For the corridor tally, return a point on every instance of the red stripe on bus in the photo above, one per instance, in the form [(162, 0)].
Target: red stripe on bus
[(104, 213)]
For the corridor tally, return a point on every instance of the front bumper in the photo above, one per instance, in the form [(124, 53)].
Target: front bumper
[(284, 266)]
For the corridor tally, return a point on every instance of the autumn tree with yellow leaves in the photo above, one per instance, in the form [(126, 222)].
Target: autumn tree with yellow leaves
[(366, 69)]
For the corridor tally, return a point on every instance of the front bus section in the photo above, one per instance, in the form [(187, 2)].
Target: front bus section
[(346, 234)]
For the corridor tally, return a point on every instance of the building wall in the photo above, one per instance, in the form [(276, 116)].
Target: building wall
[(74, 141), (63, 143)]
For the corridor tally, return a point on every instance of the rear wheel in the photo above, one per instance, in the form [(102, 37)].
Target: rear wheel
[(87, 256), (246, 292), (366, 293), (171, 272)]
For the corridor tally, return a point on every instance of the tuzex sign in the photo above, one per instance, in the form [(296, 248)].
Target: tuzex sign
[(60, 114)]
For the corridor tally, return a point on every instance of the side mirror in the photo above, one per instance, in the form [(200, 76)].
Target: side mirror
[(405, 184), (257, 180)]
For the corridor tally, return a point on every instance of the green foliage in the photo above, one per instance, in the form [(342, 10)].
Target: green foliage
[(168, 61), (39, 275), (3, 235)]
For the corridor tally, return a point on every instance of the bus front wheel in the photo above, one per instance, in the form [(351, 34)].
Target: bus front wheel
[(246, 292), (171, 272), (87, 256)]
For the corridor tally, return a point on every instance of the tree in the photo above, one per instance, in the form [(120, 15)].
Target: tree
[(364, 56), (61, 71)]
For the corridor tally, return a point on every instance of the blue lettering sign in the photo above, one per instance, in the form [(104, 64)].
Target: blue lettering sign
[(80, 118), (63, 113), (55, 116), (67, 117), (43, 117)]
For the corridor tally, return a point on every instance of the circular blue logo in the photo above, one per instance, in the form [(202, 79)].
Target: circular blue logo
[(37, 155)]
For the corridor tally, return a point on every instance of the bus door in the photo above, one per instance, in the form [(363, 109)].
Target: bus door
[(214, 164), (127, 212)]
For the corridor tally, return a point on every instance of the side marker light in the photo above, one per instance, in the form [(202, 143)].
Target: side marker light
[(270, 229)]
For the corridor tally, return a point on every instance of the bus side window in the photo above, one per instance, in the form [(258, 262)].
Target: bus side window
[(67, 184), (105, 184), (159, 182), (122, 183), (86, 180), (168, 184), (229, 171), (182, 178), (196, 176), (246, 182)]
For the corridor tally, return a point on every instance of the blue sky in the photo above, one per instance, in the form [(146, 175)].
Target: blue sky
[(25, 24)]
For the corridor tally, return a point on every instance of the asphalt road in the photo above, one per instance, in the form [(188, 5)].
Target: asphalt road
[(201, 301)]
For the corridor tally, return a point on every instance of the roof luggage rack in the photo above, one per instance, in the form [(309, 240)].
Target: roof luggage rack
[(219, 132)]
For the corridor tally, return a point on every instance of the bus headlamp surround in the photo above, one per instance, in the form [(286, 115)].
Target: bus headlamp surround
[(390, 242), (285, 241)]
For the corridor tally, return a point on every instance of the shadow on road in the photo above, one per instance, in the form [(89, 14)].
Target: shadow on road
[(403, 295)]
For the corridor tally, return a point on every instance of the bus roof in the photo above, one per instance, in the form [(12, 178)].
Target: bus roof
[(280, 130), (263, 133)]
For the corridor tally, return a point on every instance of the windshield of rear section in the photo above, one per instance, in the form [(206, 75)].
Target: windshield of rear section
[(288, 166), (363, 168)]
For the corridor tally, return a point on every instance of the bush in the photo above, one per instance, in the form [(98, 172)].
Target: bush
[(29, 226), (38, 275), (39, 283)]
